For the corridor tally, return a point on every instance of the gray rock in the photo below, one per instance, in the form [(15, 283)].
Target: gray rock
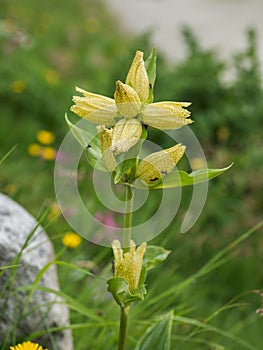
[(17, 313)]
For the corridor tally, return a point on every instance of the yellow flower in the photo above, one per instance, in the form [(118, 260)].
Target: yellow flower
[(105, 137), (10, 189), (28, 345), (130, 103), (48, 153), (45, 137), (92, 25), (197, 163), (152, 168), (71, 240), (223, 134), (137, 77), (54, 212), (52, 76), (34, 149), (128, 265), (18, 86)]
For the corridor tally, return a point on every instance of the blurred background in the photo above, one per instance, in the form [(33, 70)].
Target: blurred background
[(209, 52)]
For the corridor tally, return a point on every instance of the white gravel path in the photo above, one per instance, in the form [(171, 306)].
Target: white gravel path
[(219, 24)]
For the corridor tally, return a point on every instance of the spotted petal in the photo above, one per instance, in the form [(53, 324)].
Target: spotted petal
[(95, 108), (126, 133), (137, 77), (166, 115)]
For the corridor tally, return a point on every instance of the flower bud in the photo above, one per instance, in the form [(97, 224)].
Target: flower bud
[(105, 137), (126, 133), (152, 168), (128, 265), (137, 77), (127, 100)]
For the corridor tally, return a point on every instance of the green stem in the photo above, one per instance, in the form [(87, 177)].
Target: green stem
[(123, 333), (127, 218)]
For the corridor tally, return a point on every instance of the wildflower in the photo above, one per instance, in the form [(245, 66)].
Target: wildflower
[(197, 163), (10, 189), (18, 86), (105, 136), (34, 150), (92, 25), (54, 212), (106, 218), (152, 168), (71, 240), (52, 76), (223, 134), (129, 109), (48, 153), (45, 137), (128, 265), (28, 345)]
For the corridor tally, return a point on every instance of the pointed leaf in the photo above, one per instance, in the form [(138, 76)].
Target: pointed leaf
[(119, 288), (150, 65), (157, 336), (7, 154), (90, 143), (181, 178), (94, 158), (84, 137), (154, 255)]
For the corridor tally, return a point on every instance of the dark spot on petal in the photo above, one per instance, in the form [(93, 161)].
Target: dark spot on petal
[(154, 179)]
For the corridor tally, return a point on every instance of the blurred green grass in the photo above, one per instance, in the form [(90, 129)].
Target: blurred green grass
[(47, 49)]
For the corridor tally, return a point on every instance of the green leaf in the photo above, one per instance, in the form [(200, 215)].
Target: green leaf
[(84, 137), (7, 154), (150, 65), (9, 267), (157, 336), (90, 143), (181, 178), (94, 158), (119, 288), (154, 255)]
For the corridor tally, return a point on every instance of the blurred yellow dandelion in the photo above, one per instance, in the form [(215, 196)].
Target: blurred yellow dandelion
[(71, 240), (52, 76), (92, 25), (48, 153), (10, 189), (45, 137), (28, 345), (223, 134), (197, 163), (54, 212), (34, 150), (18, 86)]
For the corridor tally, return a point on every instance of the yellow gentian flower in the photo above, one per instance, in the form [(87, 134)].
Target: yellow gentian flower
[(129, 103), (155, 166), (128, 265)]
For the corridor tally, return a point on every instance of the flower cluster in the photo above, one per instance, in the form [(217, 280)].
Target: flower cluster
[(43, 148), (121, 120), (128, 265)]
